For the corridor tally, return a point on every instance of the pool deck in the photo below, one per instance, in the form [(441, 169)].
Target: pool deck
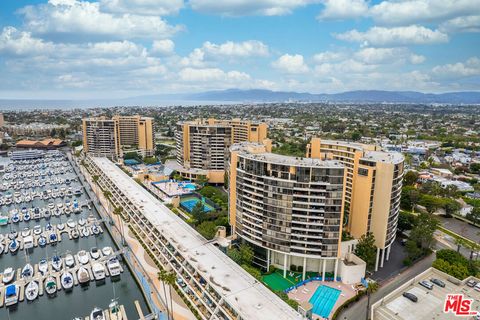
[(305, 292), (172, 189)]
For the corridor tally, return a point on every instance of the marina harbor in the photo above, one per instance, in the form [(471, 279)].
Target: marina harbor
[(55, 250)]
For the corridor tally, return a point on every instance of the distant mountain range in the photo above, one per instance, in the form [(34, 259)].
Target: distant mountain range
[(256, 95)]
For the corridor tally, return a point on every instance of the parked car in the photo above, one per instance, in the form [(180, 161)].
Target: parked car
[(426, 284), (438, 282), (477, 287), (471, 283), (410, 296)]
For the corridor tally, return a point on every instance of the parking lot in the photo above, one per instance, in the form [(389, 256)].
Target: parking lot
[(430, 303)]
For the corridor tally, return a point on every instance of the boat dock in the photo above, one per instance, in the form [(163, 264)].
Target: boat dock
[(89, 225), (40, 279)]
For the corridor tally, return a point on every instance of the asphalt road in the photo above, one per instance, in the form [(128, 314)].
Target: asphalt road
[(358, 310), (462, 228)]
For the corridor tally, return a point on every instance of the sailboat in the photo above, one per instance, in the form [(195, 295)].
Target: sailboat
[(31, 290), (67, 280), (50, 285)]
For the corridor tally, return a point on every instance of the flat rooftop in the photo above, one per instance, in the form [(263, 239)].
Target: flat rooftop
[(239, 289), (383, 156), (245, 150), (430, 302)]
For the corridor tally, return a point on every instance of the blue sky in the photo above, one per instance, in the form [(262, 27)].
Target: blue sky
[(104, 48)]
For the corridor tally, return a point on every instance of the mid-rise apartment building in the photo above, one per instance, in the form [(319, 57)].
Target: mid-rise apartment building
[(113, 137), (289, 209), (101, 138), (372, 189), (213, 284), (202, 145)]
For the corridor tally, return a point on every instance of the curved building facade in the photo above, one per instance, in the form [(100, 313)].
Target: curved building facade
[(289, 209), (372, 189)]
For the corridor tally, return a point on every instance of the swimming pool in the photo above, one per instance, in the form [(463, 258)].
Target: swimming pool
[(189, 203), (323, 300)]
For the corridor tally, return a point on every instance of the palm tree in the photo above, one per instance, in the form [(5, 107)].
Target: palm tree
[(371, 288), (170, 279), (107, 194), (162, 276), (118, 212)]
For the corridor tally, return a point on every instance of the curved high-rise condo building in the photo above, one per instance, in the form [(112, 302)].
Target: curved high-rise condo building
[(202, 145), (372, 189), (289, 209)]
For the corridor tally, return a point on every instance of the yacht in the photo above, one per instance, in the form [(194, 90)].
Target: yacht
[(69, 260), (94, 253), (42, 241), (107, 251), (83, 275), (61, 226), (82, 222), (75, 234), (13, 246), (3, 220), (97, 314), (13, 234), (37, 230), (15, 217), (71, 223), (52, 239), (57, 263), (2, 248), (31, 290), (50, 285), (28, 242), (26, 217), (25, 232), (85, 232), (95, 229), (113, 267), (27, 271), (83, 257), (67, 280), (43, 267), (98, 270), (11, 295), (8, 275)]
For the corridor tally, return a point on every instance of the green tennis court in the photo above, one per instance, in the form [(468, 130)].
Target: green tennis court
[(277, 282)]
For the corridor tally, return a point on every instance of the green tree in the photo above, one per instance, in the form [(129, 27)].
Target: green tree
[(451, 207), (410, 178), (474, 215), (207, 229), (475, 167), (246, 252), (413, 250), (431, 203), (372, 288), (198, 213), (201, 180), (406, 221), (409, 198), (422, 232), (366, 249)]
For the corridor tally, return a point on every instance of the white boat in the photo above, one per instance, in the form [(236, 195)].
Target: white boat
[(69, 260), (37, 230), (13, 246), (8, 275), (107, 251), (83, 257), (113, 267), (31, 290), (25, 232), (67, 280), (95, 229), (75, 234), (57, 263), (82, 222), (50, 285), (11, 295), (43, 267), (97, 314), (94, 253), (27, 271), (60, 226), (98, 270), (42, 241), (71, 223), (2, 248), (83, 275), (28, 242), (85, 232)]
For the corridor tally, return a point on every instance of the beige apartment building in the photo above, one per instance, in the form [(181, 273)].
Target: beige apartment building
[(372, 189), (289, 209), (202, 145), (114, 137)]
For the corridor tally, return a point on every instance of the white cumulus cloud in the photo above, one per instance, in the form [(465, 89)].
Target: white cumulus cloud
[(75, 18), (397, 36), (142, 7), (343, 9), (469, 68), (293, 64), (248, 7), (211, 74), (461, 24), (163, 47)]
